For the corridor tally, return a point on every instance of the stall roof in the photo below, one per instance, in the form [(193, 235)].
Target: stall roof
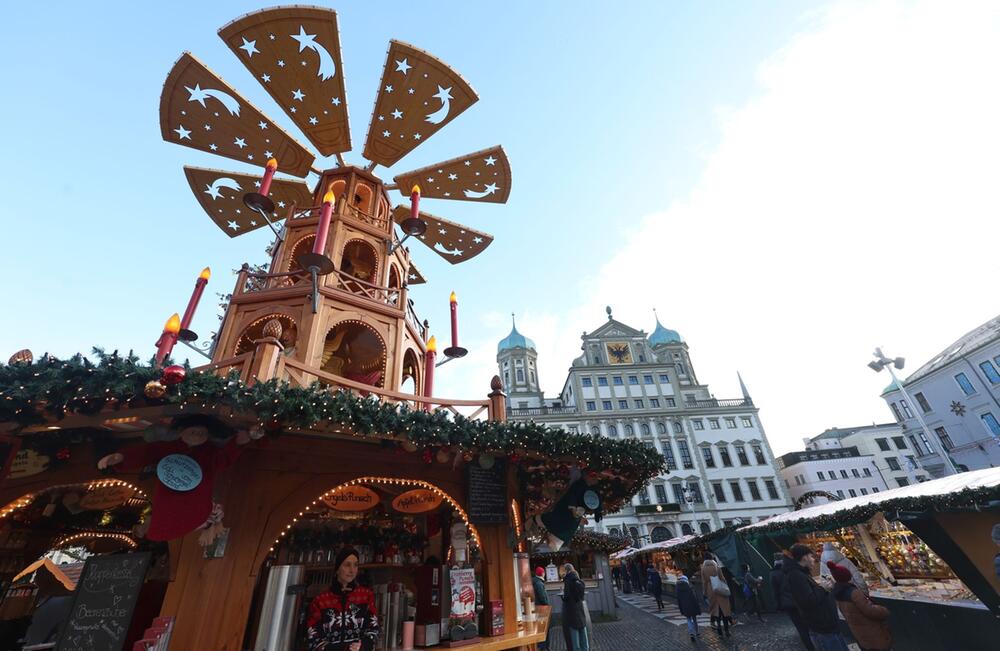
[(53, 569), (953, 490)]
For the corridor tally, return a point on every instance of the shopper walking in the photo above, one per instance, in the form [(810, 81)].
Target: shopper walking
[(785, 603), (717, 592), (818, 608), (574, 615), (751, 592), (655, 583), (688, 604), (869, 623)]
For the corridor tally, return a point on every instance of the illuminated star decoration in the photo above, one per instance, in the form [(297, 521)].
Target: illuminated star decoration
[(250, 47)]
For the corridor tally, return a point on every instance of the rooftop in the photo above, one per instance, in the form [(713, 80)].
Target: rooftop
[(515, 340), (842, 432), (792, 458), (984, 334)]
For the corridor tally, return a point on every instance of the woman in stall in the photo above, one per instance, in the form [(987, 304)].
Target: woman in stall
[(343, 618)]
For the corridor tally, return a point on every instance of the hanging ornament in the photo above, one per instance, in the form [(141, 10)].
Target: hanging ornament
[(408, 446), (173, 374), (106, 518), (62, 454), (155, 390), (427, 455), (486, 461), (514, 457), (467, 457), (442, 456), (21, 357), (257, 432)]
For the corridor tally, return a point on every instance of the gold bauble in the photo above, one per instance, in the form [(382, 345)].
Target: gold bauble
[(155, 389)]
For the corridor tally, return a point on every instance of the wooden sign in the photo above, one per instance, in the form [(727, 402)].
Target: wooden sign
[(106, 497), (103, 603), (179, 472), (418, 500), (27, 463), (487, 492), (352, 498)]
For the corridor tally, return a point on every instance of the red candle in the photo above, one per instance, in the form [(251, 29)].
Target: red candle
[(168, 338), (429, 359), (415, 202), (265, 183), (319, 246), (199, 288), (454, 320)]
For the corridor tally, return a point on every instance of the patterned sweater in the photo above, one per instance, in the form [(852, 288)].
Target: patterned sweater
[(336, 619)]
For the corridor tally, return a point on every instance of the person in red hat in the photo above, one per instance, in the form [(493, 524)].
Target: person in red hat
[(538, 583), (869, 622)]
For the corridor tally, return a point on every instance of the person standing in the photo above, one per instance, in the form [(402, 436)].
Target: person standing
[(717, 592), (541, 599), (616, 574), (574, 615), (751, 592), (688, 604), (869, 623), (784, 601), (655, 583), (343, 618), (817, 606)]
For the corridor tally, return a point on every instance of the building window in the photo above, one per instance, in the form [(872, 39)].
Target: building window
[(586, 381), (772, 490), (643, 497), (922, 402), (678, 492), (623, 404), (617, 381), (990, 372), (669, 402), (698, 424), (893, 463), (730, 423), (695, 492), (661, 428), (874, 489), (911, 462), (895, 412), (661, 493), (843, 474), (633, 379), (916, 446), (727, 461), (644, 429), (668, 454), (852, 492), (519, 374), (854, 471), (602, 381), (629, 431), (706, 454), (758, 454), (612, 430), (867, 471), (686, 460), (647, 379), (754, 490), (883, 444), (591, 405), (596, 431), (906, 409), (864, 491), (606, 405), (678, 428), (654, 403), (713, 423), (831, 474), (798, 480), (991, 423), (820, 475), (720, 495), (638, 404), (506, 378), (900, 442), (664, 378), (902, 481), (964, 384), (686, 529), (946, 441), (747, 421), (734, 488), (741, 454)]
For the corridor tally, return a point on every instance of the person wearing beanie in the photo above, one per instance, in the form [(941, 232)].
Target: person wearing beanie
[(343, 618), (831, 553), (688, 604), (869, 623), (815, 604), (538, 583)]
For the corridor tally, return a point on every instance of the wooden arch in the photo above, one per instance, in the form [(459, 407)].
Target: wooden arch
[(254, 330)]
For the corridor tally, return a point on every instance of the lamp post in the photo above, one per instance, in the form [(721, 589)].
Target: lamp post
[(882, 362)]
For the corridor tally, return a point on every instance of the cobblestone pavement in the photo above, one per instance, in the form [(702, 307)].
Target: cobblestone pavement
[(637, 629)]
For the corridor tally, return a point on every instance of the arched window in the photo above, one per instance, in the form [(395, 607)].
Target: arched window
[(394, 285), (596, 431), (614, 531), (629, 431), (360, 260), (687, 530), (304, 245), (411, 373), (678, 428), (704, 527), (255, 331), (660, 533), (612, 430), (634, 533), (661, 428), (354, 350), (362, 198), (645, 429)]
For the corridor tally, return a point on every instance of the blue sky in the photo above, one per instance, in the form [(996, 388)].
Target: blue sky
[(624, 125)]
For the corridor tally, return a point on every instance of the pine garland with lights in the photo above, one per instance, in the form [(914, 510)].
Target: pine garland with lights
[(49, 389)]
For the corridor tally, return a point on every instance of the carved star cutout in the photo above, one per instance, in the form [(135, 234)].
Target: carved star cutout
[(402, 66), (182, 133), (250, 47)]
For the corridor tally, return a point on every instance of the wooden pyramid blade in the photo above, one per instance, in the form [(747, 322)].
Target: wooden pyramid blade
[(453, 242), (294, 52), (480, 176), (414, 277), (199, 110), (417, 96), (220, 194)]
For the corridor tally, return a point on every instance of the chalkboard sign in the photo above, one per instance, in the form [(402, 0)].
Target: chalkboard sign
[(487, 502), (103, 603)]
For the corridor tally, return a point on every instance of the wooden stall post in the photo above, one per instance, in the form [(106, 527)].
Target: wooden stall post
[(498, 400), (267, 353)]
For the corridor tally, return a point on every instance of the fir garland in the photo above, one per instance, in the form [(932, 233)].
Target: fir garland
[(49, 389)]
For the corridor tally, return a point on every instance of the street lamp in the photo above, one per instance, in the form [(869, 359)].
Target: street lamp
[(882, 362)]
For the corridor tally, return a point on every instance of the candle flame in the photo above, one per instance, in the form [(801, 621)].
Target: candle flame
[(272, 163), (205, 274), (329, 197), (415, 190), (453, 299), (173, 324), (432, 344)]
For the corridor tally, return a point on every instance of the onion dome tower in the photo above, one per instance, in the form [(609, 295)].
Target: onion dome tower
[(517, 359)]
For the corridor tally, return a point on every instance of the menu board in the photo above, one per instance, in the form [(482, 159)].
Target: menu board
[(103, 602), (487, 503)]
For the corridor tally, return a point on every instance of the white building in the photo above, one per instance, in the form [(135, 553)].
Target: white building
[(628, 385), (893, 450), (841, 472), (958, 395)]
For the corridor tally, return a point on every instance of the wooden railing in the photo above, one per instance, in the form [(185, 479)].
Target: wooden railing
[(239, 363), (347, 210), (420, 327)]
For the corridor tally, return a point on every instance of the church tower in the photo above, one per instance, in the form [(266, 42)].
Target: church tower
[(670, 348), (517, 360)]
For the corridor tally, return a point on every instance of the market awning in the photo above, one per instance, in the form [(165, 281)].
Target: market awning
[(954, 490), (52, 568), (625, 553), (666, 545)]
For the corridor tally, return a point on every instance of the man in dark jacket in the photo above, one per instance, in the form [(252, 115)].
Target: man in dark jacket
[(574, 616), (816, 605), (784, 600), (541, 599)]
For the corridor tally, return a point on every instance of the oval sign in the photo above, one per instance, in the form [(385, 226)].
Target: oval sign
[(351, 498), (418, 500), (591, 500), (106, 497), (27, 463), (179, 472)]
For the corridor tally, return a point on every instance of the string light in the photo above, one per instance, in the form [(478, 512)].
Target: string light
[(89, 535), (27, 499)]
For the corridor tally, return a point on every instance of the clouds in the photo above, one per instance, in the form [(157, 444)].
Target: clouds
[(850, 202)]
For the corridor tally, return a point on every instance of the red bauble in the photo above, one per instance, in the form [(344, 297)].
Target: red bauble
[(173, 375), (514, 457), (428, 456)]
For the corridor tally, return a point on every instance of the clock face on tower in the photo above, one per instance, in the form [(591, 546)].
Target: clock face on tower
[(619, 354)]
